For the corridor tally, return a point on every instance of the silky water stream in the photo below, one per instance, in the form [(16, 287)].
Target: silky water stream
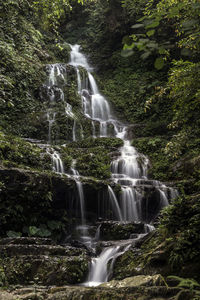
[(129, 168)]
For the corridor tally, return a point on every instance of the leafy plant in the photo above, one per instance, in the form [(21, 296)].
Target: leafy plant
[(13, 234), (177, 18), (39, 231)]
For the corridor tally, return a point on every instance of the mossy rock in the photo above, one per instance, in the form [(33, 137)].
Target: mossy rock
[(111, 230)]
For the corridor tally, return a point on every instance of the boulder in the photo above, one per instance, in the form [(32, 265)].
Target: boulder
[(136, 281)]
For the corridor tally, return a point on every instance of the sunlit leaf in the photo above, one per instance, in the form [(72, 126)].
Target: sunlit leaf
[(151, 32), (135, 26)]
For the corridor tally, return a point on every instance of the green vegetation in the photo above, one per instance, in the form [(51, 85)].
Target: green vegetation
[(16, 152), (92, 156)]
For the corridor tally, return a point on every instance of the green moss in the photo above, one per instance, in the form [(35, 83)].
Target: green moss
[(16, 152), (109, 143), (160, 163), (93, 155)]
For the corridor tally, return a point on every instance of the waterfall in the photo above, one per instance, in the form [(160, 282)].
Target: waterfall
[(129, 169), (99, 267), (50, 119), (129, 199), (114, 204), (95, 106), (53, 93)]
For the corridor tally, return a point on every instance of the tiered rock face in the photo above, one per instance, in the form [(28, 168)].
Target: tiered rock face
[(137, 287), (40, 261)]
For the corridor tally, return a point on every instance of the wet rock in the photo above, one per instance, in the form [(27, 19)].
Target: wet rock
[(112, 230), (136, 281), (83, 293)]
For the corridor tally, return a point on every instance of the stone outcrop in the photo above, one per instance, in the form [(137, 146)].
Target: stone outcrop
[(37, 260), (138, 292)]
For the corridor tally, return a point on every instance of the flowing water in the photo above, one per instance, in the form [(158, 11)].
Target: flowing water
[(53, 94), (129, 169)]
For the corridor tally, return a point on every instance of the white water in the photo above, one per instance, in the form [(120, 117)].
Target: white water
[(57, 78), (95, 106), (129, 169), (99, 267), (57, 164), (114, 203)]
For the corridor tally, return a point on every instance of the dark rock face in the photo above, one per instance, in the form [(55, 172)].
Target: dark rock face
[(41, 197)]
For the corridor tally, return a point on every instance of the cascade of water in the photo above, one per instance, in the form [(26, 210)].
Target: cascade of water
[(57, 164), (163, 198), (129, 169), (115, 204), (99, 272), (95, 106), (54, 93), (51, 119), (74, 131), (129, 202)]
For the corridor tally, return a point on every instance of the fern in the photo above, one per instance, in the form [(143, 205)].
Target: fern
[(187, 283)]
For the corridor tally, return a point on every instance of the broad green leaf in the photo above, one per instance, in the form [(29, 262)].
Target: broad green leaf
[(151, 32), (135, 26), (145, 55), (153, 24), (141, 19), (53, 224), (162, 51), (159, 63), (129, 47), (13, 234), (127, 52), (10, 104), (143, 41), (33, 230), (43, 232), (152, 45)]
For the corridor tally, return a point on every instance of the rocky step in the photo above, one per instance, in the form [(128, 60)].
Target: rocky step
[(136, 287), (45, 270), (133, 242), (51, 250), (113, 230), (26, 241)]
